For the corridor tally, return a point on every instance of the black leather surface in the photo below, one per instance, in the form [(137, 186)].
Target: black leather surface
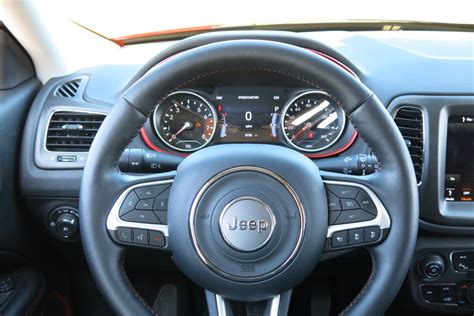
[(102, 182)]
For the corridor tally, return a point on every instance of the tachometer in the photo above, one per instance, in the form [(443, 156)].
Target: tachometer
[(185, 121), (312, 121)]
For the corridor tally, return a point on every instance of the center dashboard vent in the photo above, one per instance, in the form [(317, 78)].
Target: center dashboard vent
[(72, 131), (409, 120), (68, 89)]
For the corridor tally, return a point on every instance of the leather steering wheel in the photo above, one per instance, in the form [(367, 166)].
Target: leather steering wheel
[(284, 189)]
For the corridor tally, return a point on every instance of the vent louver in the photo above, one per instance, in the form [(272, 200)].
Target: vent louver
[(72, 131), (410, 123), (68, 89)]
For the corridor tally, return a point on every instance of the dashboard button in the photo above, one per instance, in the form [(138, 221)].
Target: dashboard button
[(124, 234), (129, 204), (356, 236), (140, 236), (339, 239), (343, 191), (349, 204), (354, 216), (333, 202), (151, 192), (431, 293), (145, 204), (157, 239), (333, 215), (140, 216), (366, 202), (463, 261), (371, 234), (448, 294)]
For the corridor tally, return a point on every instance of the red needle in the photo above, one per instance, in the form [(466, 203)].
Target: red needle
[(301, 131)]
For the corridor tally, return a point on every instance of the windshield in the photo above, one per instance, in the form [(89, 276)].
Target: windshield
[(118, 19)]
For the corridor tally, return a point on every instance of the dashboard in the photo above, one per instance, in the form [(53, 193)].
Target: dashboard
[(434, 113), (309, 121)]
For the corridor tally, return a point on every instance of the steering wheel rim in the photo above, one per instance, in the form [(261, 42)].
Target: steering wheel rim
[(102, 181)]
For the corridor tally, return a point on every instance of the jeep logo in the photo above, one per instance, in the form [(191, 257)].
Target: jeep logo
[(246, 224), (258, 225)]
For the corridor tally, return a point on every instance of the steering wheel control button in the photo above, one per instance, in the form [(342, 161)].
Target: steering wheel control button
[(124, 234), (140, 236), (333, 215), (431, 266), (333, 202), (157, 239), (349, 204), (140, 216), (354, 216), (162, 217), (247, 224), (151, 192), (343, 191), (371, 234), (339, 239), (161, 204), (356, 236), (129, 203), (366, 203), (146, 204)]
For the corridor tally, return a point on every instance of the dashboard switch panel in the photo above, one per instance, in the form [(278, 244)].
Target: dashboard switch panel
[(463, 261)]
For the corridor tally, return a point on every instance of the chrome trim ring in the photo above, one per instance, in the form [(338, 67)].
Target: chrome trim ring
[(285, 109), (114, 221), (197, 199), (213, 111), (382, 219)]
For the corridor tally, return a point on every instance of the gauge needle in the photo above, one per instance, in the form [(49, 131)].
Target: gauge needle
[(301, 131), (306, 116), (186, 125)]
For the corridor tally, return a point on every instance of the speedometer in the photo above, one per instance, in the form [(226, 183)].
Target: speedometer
[(312, 121), (185, 121)]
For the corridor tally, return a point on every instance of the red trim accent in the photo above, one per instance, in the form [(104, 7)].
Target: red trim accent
[(150, 144), (337, 151), (122, 39)]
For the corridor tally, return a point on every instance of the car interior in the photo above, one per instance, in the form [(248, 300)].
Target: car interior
[(252, 167)]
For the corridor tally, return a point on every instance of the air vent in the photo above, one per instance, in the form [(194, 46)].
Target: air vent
[(72, 131), (410, 123), (68, 89)]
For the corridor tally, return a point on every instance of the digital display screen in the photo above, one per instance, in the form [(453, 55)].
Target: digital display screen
[(248, 114), (459, 181)]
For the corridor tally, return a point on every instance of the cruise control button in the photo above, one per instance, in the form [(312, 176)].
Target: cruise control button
[(333, 215), (140, 216), (145, 204), (124, 234), (349, 204), (161, 204), (128, 204), (339, 239), (366, 202), (140, 236), (353, 216), (157, 239), (162, 216), (333, 202), (356, 236), (151, 192), (371, 234), (343, 191)]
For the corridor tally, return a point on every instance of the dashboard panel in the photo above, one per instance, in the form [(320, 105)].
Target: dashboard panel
[(306, 120)]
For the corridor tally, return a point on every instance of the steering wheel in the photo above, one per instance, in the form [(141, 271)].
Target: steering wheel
[(248, 222)]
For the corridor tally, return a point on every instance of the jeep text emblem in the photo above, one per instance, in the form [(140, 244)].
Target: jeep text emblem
[(247, 224)]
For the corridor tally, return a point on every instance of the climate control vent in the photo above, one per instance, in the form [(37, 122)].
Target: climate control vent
[(409, 120), (68, 89), (72, 131)]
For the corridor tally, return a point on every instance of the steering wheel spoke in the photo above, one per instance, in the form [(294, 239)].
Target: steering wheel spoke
[(139, 216), (357, 215)]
